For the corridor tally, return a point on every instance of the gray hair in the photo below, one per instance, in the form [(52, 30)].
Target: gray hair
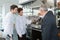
[(43, 7)]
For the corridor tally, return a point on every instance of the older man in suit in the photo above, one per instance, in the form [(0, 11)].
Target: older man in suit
[(49, 28)]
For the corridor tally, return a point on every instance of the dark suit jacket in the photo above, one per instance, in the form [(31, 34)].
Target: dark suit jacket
[(49, 28)]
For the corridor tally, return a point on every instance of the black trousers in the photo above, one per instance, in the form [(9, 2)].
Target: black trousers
[(22, 38), (36, 35)]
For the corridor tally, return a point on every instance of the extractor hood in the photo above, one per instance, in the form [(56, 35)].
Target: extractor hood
[(25, 1)]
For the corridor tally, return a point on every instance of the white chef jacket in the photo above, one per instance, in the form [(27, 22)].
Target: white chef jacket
[(8, 23), (21, 22)]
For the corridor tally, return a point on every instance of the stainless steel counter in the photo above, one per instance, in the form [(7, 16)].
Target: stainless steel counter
[(35, 27)]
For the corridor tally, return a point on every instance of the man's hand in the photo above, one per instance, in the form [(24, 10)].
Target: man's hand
[(20, 36), (11, 38), (33, 21)]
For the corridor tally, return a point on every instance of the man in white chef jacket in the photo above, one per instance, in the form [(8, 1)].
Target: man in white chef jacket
[(20, 25), (9, 21)]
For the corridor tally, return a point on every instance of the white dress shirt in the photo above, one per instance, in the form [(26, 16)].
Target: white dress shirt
[(8, 23), (21, 22)]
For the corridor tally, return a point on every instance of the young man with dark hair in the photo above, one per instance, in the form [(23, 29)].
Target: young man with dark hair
[(21, 22), (9, 21), (13, 9)]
